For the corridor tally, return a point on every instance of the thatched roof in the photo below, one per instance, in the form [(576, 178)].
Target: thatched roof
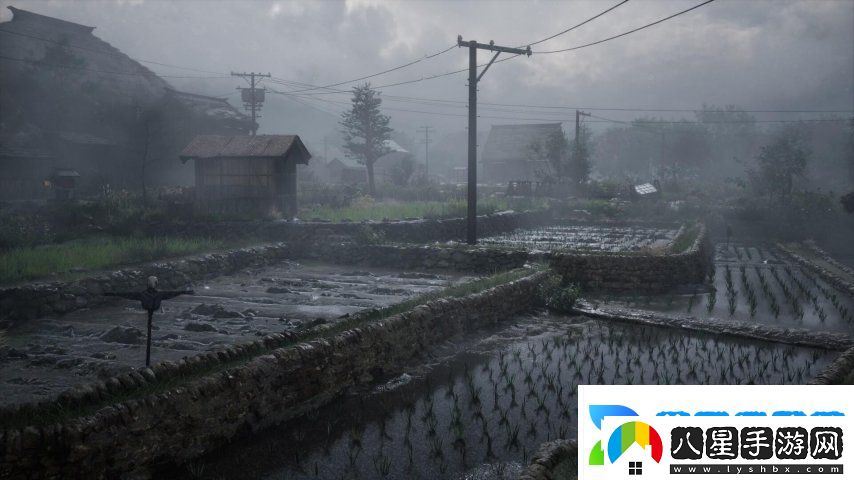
[(513, 142), (211, 107), (240, 146)]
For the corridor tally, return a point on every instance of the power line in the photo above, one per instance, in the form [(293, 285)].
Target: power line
[(440, 75), (627, 33), (462, 104), (399, 67), (578, 25), (569, 119)]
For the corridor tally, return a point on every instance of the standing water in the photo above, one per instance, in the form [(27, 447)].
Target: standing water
[(484, 405)]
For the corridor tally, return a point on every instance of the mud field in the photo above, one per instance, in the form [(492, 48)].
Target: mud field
[(485, 403), (51, 354)]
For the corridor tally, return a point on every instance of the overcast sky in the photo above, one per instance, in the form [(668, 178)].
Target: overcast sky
[(759, 54)]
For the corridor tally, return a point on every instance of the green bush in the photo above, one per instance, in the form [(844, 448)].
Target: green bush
[(366, 235), (557, 294)]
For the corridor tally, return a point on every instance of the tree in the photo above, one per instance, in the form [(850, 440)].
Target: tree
[(779, 164), (579, 156), (366, 130), (554, 149)]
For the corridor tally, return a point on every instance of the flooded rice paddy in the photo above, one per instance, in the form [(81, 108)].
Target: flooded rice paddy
[(480, 406), (756, 284), (49, 355), (579, 238)]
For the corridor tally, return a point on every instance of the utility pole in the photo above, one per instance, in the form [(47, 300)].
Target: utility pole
[(426, 129), (578, 115), (471, 217), (252, 97)]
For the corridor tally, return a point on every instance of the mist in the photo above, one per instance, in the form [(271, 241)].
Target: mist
[(395, 239)]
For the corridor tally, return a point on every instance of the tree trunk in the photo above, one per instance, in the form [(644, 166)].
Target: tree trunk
[(370, 166)]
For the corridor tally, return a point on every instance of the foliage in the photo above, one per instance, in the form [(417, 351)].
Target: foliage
[(554, 150), (401, 172), (779, 164), (366, 235), (94, 253), (686, 239), (579, 155), (557, 294), (366, 129)]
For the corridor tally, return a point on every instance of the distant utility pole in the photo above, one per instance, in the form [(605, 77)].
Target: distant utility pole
[(426, 129), (578, 115), (471, 217), (252, 97)]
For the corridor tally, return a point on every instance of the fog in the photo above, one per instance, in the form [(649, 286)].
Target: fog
[(768, 63), (254, 239), (758, 55)]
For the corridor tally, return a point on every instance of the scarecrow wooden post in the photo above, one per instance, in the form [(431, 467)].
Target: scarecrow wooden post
[(150, 299)]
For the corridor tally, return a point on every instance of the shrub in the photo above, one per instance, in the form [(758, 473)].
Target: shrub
[(557, 294)]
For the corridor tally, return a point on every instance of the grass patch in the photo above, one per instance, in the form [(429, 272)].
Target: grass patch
[(95, 253), (56, 413), (364, 208), (686, 239)]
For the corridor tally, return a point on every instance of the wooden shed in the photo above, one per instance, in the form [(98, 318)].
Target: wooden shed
[(246, 174)]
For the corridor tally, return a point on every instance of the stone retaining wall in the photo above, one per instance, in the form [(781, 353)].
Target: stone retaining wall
[(831, 277), (38, 299), (409, 257), (638, 272), (201, 414), (841, 371), (756, 331), (549, 455)]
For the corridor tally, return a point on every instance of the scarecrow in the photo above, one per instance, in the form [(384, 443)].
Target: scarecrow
[(150, 299)]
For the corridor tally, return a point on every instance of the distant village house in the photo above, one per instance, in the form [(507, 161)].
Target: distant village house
[(508, 154), (83, 119)]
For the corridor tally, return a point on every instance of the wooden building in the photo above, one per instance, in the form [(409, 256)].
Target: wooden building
[(246, 174), (509, 152)]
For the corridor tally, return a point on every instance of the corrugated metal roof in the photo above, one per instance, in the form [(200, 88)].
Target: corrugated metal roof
[(210, 146), (645, 189), (513, 142)]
